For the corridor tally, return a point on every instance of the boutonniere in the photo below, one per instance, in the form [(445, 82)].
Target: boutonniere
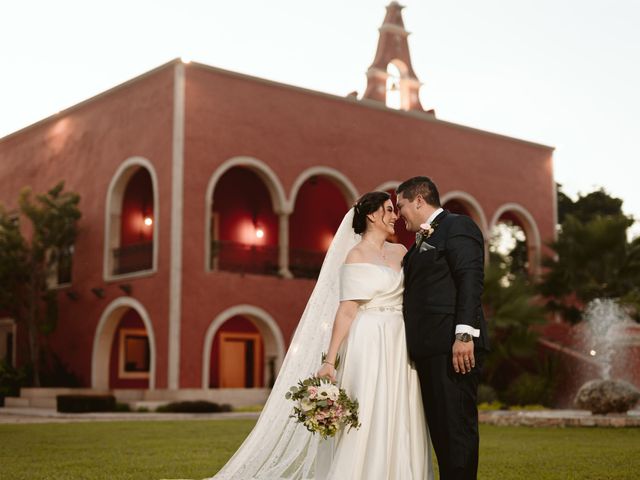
[(426, 230)]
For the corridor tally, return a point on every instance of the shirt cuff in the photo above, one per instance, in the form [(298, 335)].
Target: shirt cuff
[(467, 329)]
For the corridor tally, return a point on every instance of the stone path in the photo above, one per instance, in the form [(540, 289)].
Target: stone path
[(528, 418), (558, 418), (43, 415)]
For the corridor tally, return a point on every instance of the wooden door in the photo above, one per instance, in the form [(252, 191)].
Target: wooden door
[(239, 360)]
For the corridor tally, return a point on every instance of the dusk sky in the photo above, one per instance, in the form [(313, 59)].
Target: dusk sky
[(564, 73)]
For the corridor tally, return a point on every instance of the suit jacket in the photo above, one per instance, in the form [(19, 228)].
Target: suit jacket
[(443, 286)]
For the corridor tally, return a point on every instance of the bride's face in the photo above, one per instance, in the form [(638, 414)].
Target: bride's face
[(384, 219)]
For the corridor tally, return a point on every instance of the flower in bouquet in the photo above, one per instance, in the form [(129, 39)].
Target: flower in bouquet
[(322, 407)]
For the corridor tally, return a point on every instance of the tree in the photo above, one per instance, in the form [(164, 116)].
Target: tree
[(512, 311), (587, 207), (593, 258), (27, 262)]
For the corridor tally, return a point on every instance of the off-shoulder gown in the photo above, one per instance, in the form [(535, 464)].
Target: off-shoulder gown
[(393, 442)]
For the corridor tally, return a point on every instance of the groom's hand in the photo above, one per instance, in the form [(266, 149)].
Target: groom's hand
[(463, 359)]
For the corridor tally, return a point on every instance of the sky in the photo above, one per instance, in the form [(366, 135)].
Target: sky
[(564, 73)]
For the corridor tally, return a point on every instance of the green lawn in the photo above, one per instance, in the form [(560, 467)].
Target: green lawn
[(196, 449)]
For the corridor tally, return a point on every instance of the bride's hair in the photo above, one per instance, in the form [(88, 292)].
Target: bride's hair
[(366, 204)]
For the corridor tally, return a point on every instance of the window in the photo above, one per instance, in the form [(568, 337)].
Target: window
[(134, 361)]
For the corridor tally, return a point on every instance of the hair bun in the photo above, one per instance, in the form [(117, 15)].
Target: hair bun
[(368, 203)]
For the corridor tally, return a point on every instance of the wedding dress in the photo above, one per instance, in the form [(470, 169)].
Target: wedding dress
[(392, 442)]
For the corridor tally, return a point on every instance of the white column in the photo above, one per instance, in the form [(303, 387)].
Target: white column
[(177, 187), (283, 245)]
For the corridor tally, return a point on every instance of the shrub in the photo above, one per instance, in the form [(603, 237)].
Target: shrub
[(11, 379), (86, 403), (123, 407), (486, 394), (529, 389), (193, 406), (491, 406)]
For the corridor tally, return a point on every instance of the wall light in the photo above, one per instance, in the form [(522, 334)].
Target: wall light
[(148, 221), (260, 233)]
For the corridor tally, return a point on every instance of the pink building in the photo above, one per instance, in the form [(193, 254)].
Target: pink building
[(209, 199)]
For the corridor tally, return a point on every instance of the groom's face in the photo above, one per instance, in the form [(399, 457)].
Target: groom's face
[(410, 211)]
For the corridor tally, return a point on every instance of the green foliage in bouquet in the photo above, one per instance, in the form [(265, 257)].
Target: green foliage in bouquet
[(322, 407)]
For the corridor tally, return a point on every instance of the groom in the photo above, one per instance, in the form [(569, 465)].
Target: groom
[(445, 326)]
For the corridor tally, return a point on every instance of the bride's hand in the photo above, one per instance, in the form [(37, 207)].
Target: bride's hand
[(328, 371)]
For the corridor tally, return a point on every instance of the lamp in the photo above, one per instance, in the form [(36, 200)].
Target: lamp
[(73, 295), (98, 292), (126, 288)]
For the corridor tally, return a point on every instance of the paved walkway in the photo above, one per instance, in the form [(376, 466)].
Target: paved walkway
[(45, 415), (559, 418), (529, 418)]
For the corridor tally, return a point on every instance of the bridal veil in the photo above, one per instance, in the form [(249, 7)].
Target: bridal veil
[(278, 447)]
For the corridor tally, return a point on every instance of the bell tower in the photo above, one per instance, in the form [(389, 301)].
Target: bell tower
[(390, 78)]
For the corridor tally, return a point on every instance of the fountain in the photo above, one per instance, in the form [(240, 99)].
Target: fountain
[(604, 333)]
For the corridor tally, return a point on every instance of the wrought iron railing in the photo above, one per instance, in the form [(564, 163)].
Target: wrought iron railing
[(243, 258), (133, 258), (305, 263)]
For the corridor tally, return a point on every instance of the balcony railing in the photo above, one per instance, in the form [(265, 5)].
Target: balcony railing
[(133, 258), (305, 263), (240, 257)]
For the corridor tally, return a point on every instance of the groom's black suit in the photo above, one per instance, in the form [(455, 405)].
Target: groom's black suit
[(443, 288)]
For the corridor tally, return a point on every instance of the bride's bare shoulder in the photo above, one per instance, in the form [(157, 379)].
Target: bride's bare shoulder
[(398, 248), (355, 255)]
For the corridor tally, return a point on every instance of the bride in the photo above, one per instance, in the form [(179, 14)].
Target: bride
[(360, 319)]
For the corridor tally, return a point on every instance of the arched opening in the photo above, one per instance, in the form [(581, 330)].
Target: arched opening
[(124, 348), (243, 348), (319, 208), (514, 239), (130, 359), (244, 226), (464, 204), (132, 220), (393, 97)]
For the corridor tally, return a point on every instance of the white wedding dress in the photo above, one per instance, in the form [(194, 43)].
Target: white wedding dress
[(392, 443)]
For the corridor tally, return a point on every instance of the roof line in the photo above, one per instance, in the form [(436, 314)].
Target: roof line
[(363, 102), (373, 104), (91, 99)]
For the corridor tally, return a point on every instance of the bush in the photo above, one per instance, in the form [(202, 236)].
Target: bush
[(56, 373), (529, 389), (11, 379), (486, 394), (195, 406), (123, 407), (491, 406), (86, 403)]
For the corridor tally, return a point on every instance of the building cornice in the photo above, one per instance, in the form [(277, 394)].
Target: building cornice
[(361, 103)]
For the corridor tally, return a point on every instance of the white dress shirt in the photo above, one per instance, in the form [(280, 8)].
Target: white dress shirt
[(461, 328)]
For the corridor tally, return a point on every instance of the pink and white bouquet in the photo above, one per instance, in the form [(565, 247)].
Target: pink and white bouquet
[(322, 407)]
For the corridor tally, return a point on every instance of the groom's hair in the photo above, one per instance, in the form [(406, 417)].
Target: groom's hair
[(423, 186)]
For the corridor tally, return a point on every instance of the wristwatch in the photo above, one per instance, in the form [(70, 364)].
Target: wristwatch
[(464, 337)]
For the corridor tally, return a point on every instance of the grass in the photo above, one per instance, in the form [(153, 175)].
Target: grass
[(197, 449)]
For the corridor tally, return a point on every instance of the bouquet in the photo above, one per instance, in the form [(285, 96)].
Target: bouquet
[(322, 407)]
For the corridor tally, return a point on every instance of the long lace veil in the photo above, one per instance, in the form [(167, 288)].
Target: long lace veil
[(278, 448)]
